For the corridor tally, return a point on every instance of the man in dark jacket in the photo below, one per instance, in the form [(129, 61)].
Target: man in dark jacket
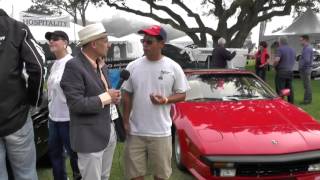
[(89, 95), (18, 90), (220, 55)]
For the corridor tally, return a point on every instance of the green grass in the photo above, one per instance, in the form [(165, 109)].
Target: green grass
[(117, 167)]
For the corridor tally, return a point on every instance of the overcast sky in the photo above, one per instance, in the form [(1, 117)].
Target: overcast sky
[(97, 14)]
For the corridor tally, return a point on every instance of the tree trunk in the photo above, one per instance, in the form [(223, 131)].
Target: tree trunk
[(238, 41), (75, 19), (83, 19)]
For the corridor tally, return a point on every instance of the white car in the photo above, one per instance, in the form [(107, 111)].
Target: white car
[(195, 57), (315, 66)]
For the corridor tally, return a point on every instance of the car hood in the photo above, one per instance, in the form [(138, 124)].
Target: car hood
[(250, 127)]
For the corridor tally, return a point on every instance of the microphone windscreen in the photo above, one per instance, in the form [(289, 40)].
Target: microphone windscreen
[(124, 74)]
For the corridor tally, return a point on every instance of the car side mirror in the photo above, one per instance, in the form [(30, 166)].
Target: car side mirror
[(285, 92)]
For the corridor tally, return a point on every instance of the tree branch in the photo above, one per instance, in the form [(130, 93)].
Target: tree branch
[(190, 13)]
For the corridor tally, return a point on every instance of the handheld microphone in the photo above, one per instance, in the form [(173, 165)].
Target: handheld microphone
[(124, 75)]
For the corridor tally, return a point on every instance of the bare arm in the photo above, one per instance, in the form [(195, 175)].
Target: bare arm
[(158, 99), (127, 107), (276, 61)]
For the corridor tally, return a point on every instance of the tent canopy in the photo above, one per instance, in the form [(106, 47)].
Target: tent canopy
[(115, 40), (307, 23), (134, 46), (38, 32), (186, 40), (132, 37)]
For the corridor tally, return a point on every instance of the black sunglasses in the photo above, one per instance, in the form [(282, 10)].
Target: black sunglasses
[(56, 38), (147, 41)]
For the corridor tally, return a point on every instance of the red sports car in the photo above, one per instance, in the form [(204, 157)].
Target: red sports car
[(234, 126)]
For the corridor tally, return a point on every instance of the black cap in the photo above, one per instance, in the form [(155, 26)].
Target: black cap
[(60, 34)]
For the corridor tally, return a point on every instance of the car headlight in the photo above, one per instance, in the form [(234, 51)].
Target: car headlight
[(314, 167)]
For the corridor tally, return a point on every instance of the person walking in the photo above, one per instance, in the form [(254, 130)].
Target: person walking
[(59, 118), (85, 85), (21, 79), (305, 68), (283, 63), (155, 83), (262, 57)]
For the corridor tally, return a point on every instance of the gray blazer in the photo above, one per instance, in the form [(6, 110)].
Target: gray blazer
[(89, 122)]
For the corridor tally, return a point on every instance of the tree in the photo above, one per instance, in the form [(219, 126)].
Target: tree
[(40, 9), (72, 7), (246, 14)]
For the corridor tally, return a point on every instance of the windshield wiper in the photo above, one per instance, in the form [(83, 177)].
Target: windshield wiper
[(205, 99), (243, 96), (230, 98)]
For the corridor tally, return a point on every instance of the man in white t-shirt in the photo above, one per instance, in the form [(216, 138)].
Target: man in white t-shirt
[(155, 82)]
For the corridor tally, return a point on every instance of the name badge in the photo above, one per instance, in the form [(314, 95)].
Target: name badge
[(113, 112)]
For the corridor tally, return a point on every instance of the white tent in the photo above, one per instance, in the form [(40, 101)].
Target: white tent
[(308, 23), (115, 40), (133, 45), (38, 32), (186, 40)]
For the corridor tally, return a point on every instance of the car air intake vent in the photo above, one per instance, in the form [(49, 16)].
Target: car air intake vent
[(271, 169)]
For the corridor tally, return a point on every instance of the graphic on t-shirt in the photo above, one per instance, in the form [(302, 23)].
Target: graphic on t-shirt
[(163, 72)]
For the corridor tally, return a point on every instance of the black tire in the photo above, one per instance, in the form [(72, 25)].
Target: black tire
[(177, 152)]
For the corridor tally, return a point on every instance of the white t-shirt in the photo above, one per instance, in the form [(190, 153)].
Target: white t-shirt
[(58, 109), (164, 77)]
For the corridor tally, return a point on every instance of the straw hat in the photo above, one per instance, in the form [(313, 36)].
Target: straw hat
[(90, 33)]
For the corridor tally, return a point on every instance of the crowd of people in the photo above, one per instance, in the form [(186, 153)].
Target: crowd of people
[(81, 100), (283, 59)]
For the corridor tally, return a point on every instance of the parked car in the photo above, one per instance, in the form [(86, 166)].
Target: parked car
[(234, 126), (193, 56), (315, 66), (40, 124)]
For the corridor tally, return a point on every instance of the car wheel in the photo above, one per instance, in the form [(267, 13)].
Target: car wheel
[(313, 74), (177, 152)]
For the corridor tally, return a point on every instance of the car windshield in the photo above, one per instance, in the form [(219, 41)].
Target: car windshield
[(227, 87)]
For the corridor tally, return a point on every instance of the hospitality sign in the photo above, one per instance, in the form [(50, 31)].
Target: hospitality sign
[(41, 20)]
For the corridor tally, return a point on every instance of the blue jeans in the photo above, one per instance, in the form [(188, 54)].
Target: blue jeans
[(20, 149), (261, 72), (283, 80), (59, 141), (305, 76)]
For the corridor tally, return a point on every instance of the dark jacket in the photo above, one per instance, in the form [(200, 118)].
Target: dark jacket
[(18, 49), (220, 56), (89, 121)]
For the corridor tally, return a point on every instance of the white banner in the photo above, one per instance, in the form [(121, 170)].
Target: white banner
[(42, 20)]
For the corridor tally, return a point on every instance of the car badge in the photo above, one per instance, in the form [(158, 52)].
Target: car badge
[(274, 142)]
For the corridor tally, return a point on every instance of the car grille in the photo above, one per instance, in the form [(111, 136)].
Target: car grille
[(271, 169)]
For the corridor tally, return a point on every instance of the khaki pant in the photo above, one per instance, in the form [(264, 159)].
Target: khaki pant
[(97, 165), (141, 150)]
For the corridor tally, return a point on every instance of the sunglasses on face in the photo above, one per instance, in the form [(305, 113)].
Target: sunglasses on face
[(56, 38), (148, 41)]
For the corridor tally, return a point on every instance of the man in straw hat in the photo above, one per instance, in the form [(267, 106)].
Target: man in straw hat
[(85, 85)]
